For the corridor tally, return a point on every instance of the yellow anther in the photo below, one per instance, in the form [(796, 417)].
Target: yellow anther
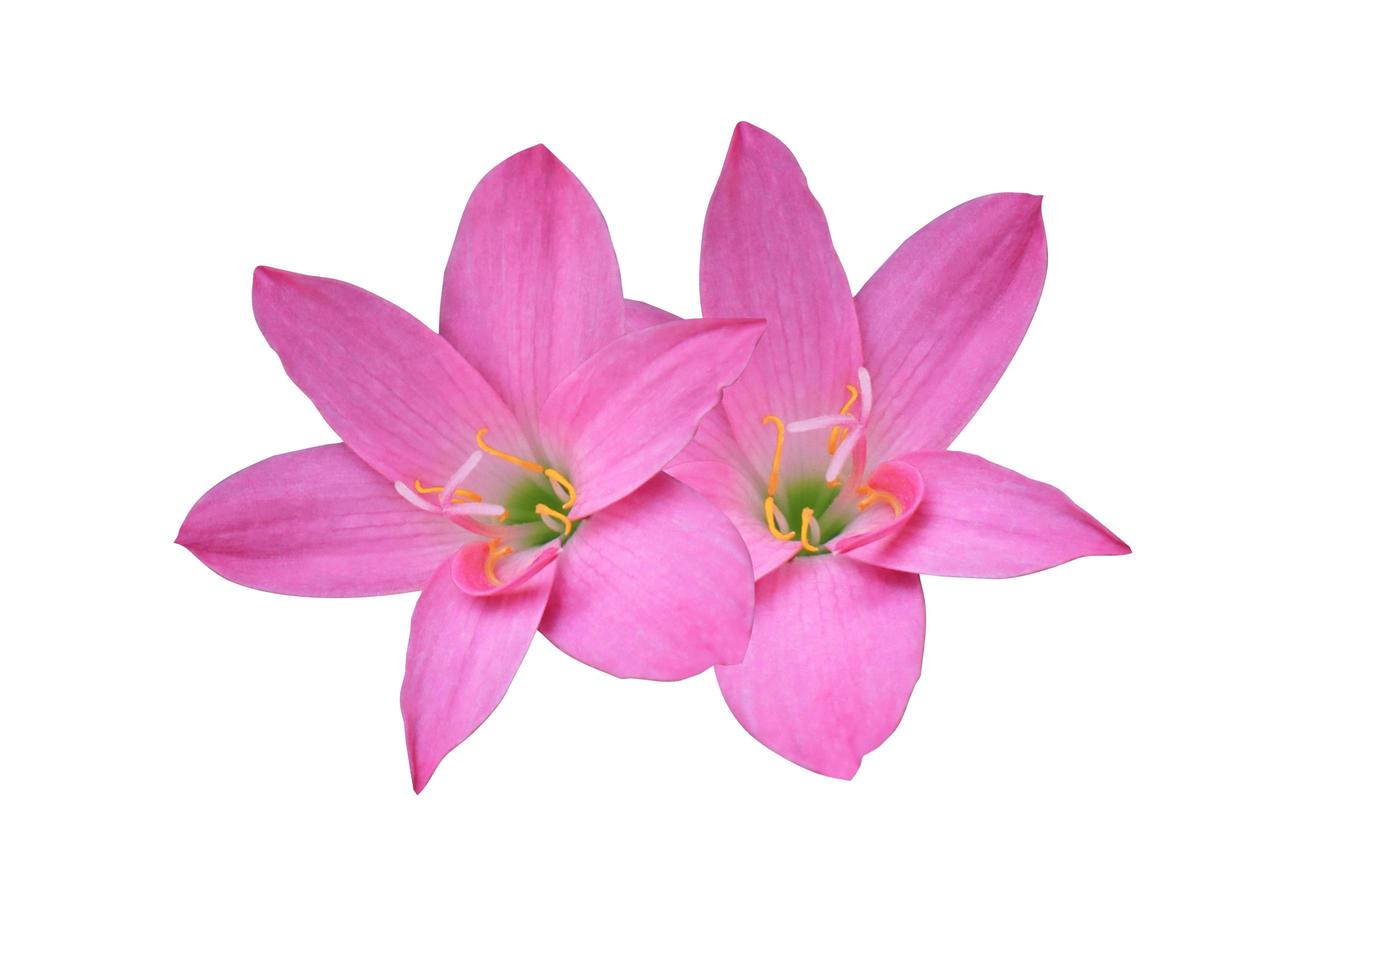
[(853, 394), (496, 552), (777, 455), (807, 515), (523, 463), (562, 481), (838, 433), (544, 510), (879, 496), (770, 509), (461, 492)]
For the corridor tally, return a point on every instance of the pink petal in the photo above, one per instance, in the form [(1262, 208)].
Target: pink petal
[(714, 441), (944, 315), (979, 520), (532, 286), (657, 586), (640, 315), (463, 652), (397, 393), (767, 252), (632, 406), (836, 649), (317, 522), (740, 499), (880, 519)]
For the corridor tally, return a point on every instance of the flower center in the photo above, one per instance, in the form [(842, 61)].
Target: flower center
[(816, 509), (531, 514)]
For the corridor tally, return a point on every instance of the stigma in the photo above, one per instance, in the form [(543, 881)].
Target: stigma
[(846, 430)]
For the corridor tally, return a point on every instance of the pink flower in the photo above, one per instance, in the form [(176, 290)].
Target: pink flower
[(832, 447), (508, 467)]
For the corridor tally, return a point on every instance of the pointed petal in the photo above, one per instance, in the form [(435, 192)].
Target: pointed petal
[(740, 500), (944, 315), (532, 286), (836, 649), (632, 406), (394, 391), (317, 522), (980, 520), (657, 586), (463, 652), (767, 252), (640, 315)]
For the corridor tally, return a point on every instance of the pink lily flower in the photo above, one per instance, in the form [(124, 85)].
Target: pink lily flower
[(510, 467), (831, 449)]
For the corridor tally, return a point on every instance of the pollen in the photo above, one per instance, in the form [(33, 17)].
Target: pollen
[(839, 431), (460, 493), (451, 498), (470, 508), (777, 454), (532, 467), (808, 524), (496, 552), (562, 487), (873, 496), (769, 507), (554, 520)]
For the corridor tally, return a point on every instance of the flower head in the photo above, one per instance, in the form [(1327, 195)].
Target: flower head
[(830, 453), (508, 467)]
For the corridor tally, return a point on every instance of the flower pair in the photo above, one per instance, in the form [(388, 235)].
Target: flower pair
[(514, 466)]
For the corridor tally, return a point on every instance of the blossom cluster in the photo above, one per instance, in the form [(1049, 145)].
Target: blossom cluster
[(755, 491)]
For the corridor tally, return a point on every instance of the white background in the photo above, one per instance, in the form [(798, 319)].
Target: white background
[(1176, 764)]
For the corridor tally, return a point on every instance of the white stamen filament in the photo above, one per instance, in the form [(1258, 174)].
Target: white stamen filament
[(842, 454), (471, 509), (412, 497), (551, 522), (474, 509), (866, 394), (459, 477), (813, 531), (820, 422)]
